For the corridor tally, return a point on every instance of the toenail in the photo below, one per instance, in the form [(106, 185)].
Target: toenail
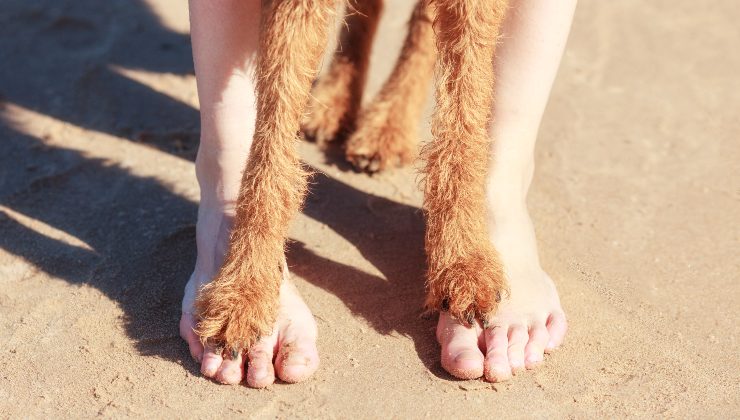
[(296, 360), (227, 373), (260, 374), (465, 357), (534, 359), (498, 374)]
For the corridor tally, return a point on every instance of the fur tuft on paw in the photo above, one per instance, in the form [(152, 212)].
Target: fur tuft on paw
[(469, 289), (384, 138), (235, 316)]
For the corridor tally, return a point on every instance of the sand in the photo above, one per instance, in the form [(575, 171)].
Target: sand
[(635, 199)]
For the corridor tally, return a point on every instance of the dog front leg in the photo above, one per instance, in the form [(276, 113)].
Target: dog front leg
[(241, 303), (464, 274), (337, 96), (387, 128)]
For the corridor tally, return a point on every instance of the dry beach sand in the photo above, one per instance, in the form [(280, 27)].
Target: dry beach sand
[(636, 200)]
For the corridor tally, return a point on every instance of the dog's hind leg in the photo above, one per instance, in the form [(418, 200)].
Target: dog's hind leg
[(337, 96), (240, 304), (386, 132), (464, 274)]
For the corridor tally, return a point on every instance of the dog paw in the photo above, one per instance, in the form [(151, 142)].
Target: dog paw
[(381, 140), (331, 110), (469, 289), (234, 316)]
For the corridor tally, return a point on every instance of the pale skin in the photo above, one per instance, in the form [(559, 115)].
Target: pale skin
[(528, 323)]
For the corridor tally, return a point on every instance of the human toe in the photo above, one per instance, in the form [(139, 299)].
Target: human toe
[(211, 361), (518, 338), (187, 321), (461, 356), (260, 371), (297, 360), (496, 365), (557, 326), (535, 348), (231, 370)]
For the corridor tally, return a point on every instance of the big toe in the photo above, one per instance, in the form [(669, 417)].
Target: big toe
[(187, 322), (297, 361), (465, 363), (297, 355), (461, 356)]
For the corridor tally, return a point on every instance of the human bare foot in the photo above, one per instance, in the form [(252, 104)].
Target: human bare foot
[(289, 352), (227, 92), (528, 323)]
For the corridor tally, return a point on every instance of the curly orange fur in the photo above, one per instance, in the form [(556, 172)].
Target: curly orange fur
[(464, 274), (337, 96), (241, 303), (386, 131)]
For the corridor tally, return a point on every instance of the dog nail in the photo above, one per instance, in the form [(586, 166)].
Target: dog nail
[(374, 165)]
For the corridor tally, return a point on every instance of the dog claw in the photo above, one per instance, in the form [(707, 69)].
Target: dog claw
[(470, 318), (374, 165), (361, 162)]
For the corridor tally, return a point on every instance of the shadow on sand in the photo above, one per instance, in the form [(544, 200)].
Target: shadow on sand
[(141, 234)]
